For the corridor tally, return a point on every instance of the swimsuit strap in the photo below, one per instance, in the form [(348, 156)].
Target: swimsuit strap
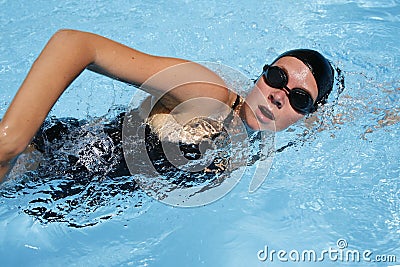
[(234, 109), (237, 102)]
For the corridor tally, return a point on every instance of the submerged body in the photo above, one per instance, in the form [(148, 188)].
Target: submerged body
[(95, 147)]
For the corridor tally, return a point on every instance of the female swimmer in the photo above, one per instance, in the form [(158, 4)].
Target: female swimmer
[(294, 85)]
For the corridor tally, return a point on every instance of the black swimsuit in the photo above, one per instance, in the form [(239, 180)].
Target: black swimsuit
[(85, 149), (71, 140)]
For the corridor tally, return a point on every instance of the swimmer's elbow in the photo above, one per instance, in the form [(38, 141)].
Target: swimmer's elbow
[(61, 33), (66, 38), (68, 34), (78, 45)]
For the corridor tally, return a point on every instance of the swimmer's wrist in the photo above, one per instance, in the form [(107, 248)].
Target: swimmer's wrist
[(4, 170)]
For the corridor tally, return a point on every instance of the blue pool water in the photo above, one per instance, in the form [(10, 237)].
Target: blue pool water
[(340, 181)]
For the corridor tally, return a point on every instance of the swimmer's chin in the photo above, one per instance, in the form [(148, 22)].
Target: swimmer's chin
[(257, 126), (254, 123)]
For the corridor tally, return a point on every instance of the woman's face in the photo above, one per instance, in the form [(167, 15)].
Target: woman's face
[(268, 108)]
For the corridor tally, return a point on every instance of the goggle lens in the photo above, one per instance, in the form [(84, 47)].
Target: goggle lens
[(276, 77), (299, 99)]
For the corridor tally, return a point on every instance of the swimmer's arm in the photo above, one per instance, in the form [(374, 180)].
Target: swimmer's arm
[(189, 80), (60, 62), (64, 57), (176, 80)]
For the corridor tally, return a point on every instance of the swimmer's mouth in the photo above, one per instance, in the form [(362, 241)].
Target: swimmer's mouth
[(266, 112)]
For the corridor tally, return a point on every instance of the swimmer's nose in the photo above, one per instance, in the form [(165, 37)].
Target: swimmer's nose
[(277, 98)]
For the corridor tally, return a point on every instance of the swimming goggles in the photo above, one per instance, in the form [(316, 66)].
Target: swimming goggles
[(300, 100)]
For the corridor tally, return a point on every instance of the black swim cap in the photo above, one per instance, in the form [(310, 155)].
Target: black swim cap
[(319, 67)]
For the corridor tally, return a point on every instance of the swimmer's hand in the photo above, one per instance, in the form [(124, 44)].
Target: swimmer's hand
[(6, 156), (29, 160), (4, 168)]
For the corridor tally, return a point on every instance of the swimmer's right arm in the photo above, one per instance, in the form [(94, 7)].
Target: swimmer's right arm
[(64, 57)]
